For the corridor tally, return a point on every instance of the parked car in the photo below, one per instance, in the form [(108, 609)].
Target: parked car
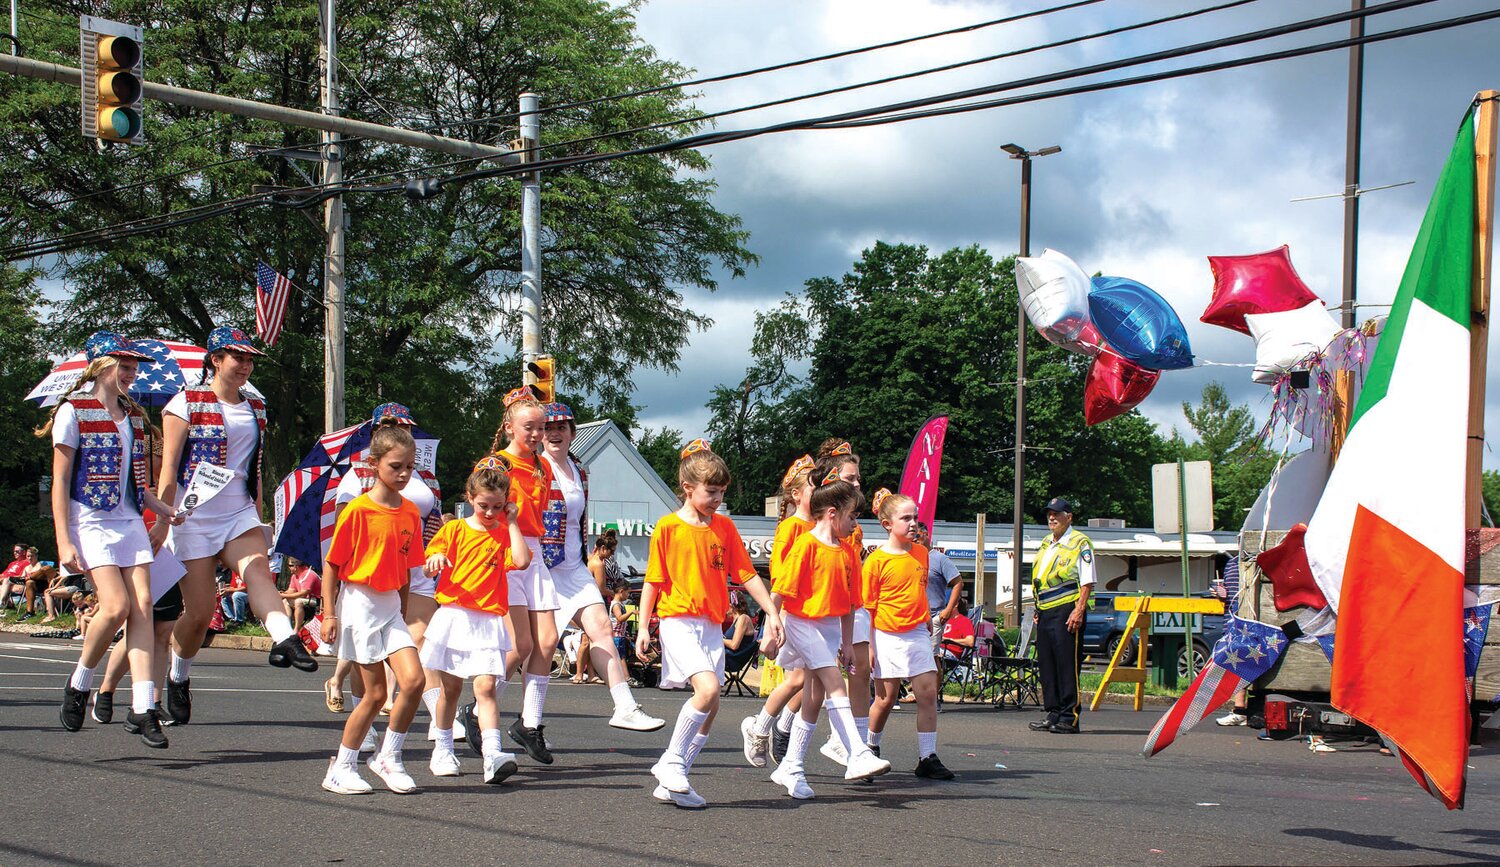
[(1104, 629)]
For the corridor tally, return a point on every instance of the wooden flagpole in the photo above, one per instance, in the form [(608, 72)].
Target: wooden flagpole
[(1479, 331)]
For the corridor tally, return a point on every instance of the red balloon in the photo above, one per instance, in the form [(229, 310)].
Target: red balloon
[(1088, 341), (1115, 386), (1260, 283), (1292, 582)]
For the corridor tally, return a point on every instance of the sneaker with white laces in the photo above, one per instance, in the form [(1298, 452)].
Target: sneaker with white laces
[(672, 774), (370, 742), (344, 780), (689, 800), (636, 719), (795, 782), (833, 750), (757, 745), (1233, 719), (443, 764), (498, 767), (390, 770), (865, 765)]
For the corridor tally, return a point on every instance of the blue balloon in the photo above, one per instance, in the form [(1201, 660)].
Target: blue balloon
[(1139, 324)]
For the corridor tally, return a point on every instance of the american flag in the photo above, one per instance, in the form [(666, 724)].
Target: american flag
[(271, 293), (174, 365), (1247, 650)]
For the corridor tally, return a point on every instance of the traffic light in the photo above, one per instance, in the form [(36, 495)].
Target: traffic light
[(113, 79), (543, 373)]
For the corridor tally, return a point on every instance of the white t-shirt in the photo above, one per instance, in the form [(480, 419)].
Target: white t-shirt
[(242, 432), (65, 433), (416, 491), (572, 490)]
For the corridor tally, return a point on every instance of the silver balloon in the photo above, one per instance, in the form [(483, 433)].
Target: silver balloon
[(1055, 295)]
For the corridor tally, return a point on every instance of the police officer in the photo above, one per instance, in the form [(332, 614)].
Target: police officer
[(1062, 577)]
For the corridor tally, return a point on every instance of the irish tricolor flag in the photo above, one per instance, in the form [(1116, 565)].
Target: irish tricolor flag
[(1386, 543)]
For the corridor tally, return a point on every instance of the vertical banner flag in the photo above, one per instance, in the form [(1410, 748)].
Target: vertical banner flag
[(271, 293), (1386, 543), (1246, 651), (919, 478)]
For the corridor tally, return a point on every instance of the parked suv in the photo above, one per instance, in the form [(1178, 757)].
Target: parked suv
[(1104, 629)]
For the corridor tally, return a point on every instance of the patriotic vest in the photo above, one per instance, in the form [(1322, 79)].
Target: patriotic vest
[(208, 441), (555, 519), (1057, 583), (433, 520), (97, 468)]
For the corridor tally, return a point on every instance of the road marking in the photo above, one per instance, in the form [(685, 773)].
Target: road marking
[(38, 659), (196, 689)]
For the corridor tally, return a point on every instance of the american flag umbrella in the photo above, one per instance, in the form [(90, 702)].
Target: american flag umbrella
[(305, 498), (174, 366)]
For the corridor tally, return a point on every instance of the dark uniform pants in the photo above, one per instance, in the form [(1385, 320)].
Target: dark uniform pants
[(1058, 661)]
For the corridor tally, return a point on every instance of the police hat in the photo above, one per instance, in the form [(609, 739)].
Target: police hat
[(1058, 504)]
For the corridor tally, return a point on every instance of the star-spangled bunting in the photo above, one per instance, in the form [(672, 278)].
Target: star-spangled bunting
[(1246, 651)]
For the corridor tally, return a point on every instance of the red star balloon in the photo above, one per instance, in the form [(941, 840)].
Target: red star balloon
[(1260, 283), (1115, 386), (1292, 583)]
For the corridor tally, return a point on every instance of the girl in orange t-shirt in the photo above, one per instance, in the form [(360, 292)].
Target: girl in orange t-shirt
[(782, 704), (817, 592), (533, 597), (376, 543), (695, 553), (896, 595), (467, 636)]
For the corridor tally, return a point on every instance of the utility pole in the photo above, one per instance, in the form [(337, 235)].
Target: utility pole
[(15, 31), (1351, 161), (531, 239), (1018, 536), (333, 231)]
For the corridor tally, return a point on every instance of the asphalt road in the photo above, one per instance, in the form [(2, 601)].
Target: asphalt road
[(240, 785)]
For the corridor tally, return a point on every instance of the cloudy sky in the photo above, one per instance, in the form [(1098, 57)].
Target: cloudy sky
[(1151, 179)]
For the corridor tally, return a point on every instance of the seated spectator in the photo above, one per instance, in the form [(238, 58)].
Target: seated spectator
[(87, 606), (11, 578), (958, 636), (303, 593), (63, 587), (36, 577), (234, 601), (740, 627)]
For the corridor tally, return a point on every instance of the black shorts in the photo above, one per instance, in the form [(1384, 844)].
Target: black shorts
[(168, 607)]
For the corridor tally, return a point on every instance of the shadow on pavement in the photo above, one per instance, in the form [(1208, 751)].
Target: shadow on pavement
[(1385, 843)]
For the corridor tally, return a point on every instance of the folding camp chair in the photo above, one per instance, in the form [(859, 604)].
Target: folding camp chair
[(1018, 678)]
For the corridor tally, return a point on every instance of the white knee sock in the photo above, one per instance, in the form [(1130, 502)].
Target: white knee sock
[(862, 725), (694, 749), (796, 751), (394, 741), (142, 696), (842, 722), (784, 720), (489, 743), (82, 679), (689, 723), (444, 741), (763, 723), (926, 744), (536, 696), (279, 625), (180, 669), (347, 757), (429, 700), (873, 738), (624, 698)]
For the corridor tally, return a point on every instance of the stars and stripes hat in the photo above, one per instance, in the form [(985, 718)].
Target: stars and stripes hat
[(102, 343), (558, 412), (230, 338), (392, 412)]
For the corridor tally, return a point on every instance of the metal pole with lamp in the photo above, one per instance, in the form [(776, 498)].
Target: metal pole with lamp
[(1018, 537)]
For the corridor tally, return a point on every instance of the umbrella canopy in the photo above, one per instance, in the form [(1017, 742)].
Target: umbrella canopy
[(174, 366)]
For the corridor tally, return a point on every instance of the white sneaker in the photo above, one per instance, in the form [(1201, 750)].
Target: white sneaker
[(795, 783), (757, 746), (1233, 719), (370, 742), (834, 750), (393, 773), (344, 780), (689, 800), (443, 764), (636, 719), (498, 767), (865, 765), (672, 775)]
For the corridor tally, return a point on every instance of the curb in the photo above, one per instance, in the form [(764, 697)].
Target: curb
[(220, 641)]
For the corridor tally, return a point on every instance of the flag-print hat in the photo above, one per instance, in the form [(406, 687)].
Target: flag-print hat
[(102, 343), (558, 412), (392, 412), (230, 338)]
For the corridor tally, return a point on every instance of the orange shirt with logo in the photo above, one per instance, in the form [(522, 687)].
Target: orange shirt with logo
[(854, 543), (530, 482), (480, 559), (896, 587), (786, 533), (376, 546), (692, 566), (818, 580)]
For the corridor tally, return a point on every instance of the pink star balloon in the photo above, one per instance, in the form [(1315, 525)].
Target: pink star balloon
[(1259, 283)]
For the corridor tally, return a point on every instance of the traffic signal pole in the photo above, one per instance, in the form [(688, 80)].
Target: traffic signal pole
[(531, 241), (333, 230)]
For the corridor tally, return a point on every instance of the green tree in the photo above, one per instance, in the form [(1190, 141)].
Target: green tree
[(433, 286), (905, 335), (661, 448), (25, 465), (1226, 438), (1491, 488)]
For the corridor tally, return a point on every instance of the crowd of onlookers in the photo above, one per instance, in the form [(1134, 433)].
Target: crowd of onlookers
[(36, 586)]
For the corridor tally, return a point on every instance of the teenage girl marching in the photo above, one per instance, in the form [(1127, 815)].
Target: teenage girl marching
[(467, 638), (99, 469), (817, 592), (533, 597), (566, 523), (896, 587), (695, 553), (216, 422), (376, 543)]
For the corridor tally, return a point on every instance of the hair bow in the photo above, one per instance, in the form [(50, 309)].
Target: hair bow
[(880, 497), (833, 476), (842, 448), (697, 445), (515, 394), (491, 462), (800, 465)]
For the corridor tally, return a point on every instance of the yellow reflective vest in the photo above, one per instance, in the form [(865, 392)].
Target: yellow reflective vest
[(1054, 573)]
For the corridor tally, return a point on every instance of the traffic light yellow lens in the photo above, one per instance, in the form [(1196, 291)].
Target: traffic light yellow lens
[(121, 87)]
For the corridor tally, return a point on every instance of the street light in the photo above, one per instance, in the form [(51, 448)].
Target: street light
[(1018, 538)]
